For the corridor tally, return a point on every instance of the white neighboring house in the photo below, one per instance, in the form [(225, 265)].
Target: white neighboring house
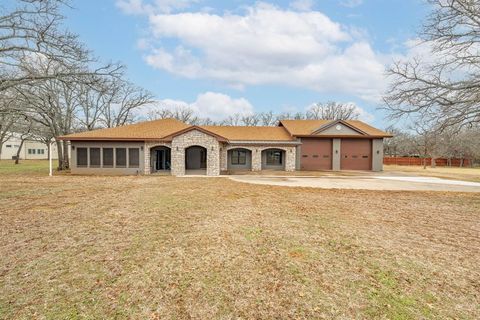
[(31, 150)]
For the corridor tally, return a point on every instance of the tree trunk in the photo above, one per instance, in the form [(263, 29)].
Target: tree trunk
[(461, 162), (59, 155), (66, 161), (1, 146), (18, 151), (433, 164)]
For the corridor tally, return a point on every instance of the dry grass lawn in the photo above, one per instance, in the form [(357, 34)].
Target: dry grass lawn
[(467, 174), (190, 248)]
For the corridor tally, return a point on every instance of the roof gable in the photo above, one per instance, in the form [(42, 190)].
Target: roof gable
[(338, 127), (305, 128), (198, 128)]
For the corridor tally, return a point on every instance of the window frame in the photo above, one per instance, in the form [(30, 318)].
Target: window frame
[(137, 164), (117, 158), (79, 150), (237, 157), (90, 158), (104, 157), (269, 157)]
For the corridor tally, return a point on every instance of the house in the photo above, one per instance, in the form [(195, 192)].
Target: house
[(173, 147), (31, 150)]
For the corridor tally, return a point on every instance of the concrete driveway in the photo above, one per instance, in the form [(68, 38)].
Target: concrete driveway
[(370, 182)]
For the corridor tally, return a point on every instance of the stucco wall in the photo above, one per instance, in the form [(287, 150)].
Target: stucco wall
[(377, 155), (106, 170), (195, 138), (344, 130), (336, 154)]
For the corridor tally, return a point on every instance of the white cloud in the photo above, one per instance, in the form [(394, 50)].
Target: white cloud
[(302, 5), (351, 3), (152, 7), (268, 45), (363, 114), (216, 106)]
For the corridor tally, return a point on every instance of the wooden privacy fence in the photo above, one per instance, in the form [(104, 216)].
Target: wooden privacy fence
[(413, 161)]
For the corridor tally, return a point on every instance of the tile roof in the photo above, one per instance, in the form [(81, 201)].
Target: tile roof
[(253, 133), (307, 127), (167, 128), (148, 130)]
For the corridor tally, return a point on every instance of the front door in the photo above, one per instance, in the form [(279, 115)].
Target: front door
[(162, 160)]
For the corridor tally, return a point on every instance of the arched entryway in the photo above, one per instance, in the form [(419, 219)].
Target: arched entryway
[(273, 159), (195, 160), (160, 159), (239, 159)]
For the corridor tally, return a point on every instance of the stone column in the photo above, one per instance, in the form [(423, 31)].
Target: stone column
[(291, 159), (146, 159), (223, 157), (256, 159)]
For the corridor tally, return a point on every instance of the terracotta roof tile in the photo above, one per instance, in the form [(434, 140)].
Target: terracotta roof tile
[(147, 130)]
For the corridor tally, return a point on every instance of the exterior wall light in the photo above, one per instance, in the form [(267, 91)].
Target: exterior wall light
[(73, 147), (378, 151), (336, 151)]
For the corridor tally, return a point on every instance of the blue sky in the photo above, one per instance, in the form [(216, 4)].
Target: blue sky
[(220, 57)]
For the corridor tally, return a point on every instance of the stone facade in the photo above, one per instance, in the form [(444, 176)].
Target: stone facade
[(257, 159), (147, 147), (195, 138)]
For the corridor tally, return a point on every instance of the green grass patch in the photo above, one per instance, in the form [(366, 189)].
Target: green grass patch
[(26, 167)]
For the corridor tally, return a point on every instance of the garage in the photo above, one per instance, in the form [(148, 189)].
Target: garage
[(356, 154), (316, 154)]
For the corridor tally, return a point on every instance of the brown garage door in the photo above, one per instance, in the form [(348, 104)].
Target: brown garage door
[(316, 154), (356, 154)]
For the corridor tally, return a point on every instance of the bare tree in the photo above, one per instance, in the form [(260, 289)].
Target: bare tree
[(7, 118), (268, 118), (447, 89), (32, 31), (125, 98), (179, 112), (333, 111), (233, 120)]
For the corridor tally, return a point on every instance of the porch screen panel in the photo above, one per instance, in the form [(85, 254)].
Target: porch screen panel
[(82, 157), (108, 157), (121, 157), (94, 157), (133, 157)]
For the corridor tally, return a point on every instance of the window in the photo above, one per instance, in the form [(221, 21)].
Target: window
[(274, 157), (31, 151), (40, 151), (121, 157), (133, 157), (239, 157), (108, 157), (94, 157), (9, 145), (82, 157)]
